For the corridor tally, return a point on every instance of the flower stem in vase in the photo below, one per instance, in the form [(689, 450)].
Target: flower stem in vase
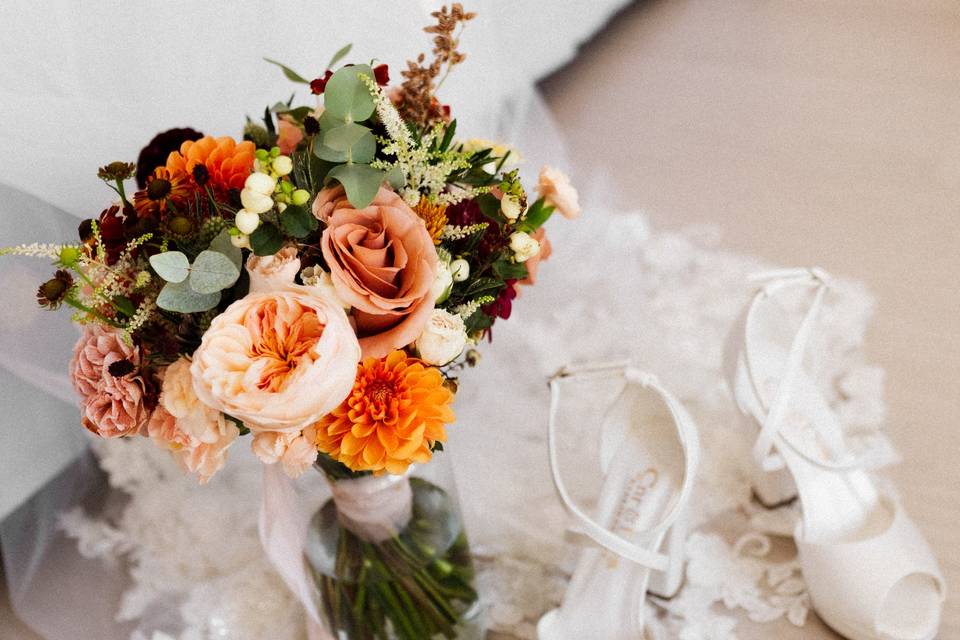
[(390, 559)]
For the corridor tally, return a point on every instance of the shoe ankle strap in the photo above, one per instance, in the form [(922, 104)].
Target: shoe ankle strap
[(687, 434)]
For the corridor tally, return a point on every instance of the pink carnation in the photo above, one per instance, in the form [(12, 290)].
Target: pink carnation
[(203, 458), (294, 450)]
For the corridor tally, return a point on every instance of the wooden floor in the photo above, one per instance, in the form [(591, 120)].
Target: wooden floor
[(814, 132)]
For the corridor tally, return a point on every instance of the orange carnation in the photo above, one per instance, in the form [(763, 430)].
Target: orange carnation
[(392, 418), (228, 163)]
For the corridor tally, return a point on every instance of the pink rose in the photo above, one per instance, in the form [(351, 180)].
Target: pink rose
[(277, 361), (272, 273), (383, 264), (289, 136), (105, 373), (294, 450), (554, 187), (202, 458)]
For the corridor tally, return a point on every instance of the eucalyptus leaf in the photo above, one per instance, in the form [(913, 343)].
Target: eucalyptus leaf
[(212, 272), (179, 297), (396, 178), (361, 182), (355, 141), (297, 221), (339, 55), (266, 239), (222, 244), (290, 73), (172, 266), (327, 121), (346, 96)]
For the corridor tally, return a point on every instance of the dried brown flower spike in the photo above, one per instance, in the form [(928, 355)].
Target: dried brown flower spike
[(417, 102)]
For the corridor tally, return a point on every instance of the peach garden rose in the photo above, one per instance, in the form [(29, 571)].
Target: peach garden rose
[(383, 264), (277, 360)]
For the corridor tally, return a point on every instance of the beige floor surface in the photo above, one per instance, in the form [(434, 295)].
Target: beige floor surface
[(813, 132)]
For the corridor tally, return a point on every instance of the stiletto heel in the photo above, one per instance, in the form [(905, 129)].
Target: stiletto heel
[(649, 451), (773, 489), (869, 571)]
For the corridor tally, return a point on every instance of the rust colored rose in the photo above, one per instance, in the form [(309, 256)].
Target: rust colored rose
[(383, 264)]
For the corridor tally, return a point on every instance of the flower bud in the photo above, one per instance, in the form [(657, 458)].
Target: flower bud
[(255, 202), (460, 269), (260, 183), (510, 206), (300, 197), (241, 241), (442, 284), (246, 221), (69, 256), (282, 165), (443, 339), (523, 246)]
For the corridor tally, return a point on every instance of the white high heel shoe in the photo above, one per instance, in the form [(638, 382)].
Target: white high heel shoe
[(649, 452), (868, 569)]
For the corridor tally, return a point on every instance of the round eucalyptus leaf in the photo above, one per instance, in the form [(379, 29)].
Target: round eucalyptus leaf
[(211, 272), (172, 266), (179, 297), (346, 96)]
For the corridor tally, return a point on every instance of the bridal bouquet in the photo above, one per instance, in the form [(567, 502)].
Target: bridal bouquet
[(315, 286)]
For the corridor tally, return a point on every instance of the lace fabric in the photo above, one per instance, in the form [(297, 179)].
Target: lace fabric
[(684, 295)]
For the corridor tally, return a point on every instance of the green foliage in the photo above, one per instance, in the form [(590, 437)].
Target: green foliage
[(339, 55), (172, 266), (222, 244), (266, 240), (212, 272), (361, 182), (348, 142), (288, 72), (510, 270), (347, 97), (538, 213), (179, 297), (297, 221)]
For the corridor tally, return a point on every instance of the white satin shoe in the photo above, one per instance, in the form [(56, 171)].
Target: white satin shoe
[(649, 452), (868, 569)]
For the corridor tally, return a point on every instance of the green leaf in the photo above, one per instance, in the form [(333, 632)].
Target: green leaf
[(361, 182), (448, 135), (339, 55), (538, 213), (179, 297), (172, 266), (297, 113), (212, 272), (346, 96), (510, 270), (290, 73), (327, 121), (266, 240), (297, 221), (396, 178), (349, 142), (490, 207), (124, 305), (222, 244), (483, 286)]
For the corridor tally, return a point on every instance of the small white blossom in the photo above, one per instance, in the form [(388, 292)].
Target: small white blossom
[(510, 206), (443, 339), (282, 165), (443, 283), (321, 283), (523, 246)]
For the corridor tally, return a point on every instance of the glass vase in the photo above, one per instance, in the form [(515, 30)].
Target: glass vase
[(389, 558)]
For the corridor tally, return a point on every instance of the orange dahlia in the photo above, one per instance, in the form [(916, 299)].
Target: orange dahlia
[(227, 162), (393, 416)]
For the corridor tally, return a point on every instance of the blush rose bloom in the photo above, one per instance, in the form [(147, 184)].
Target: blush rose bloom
[(112, 406), (289, 136), (383, 264), (554, 187), (296, 451), (177, 397), (278, 361), (271, 273), (201, 458)]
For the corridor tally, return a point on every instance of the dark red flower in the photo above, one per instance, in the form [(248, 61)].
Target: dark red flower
[(318, 85), (502, 307), (155, 153), (466, 213), (382, 74)]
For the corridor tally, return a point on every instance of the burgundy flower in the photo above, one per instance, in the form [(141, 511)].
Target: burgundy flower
[(466, 213), (318, 85), (503, 305), (155, 153), (382, 74)]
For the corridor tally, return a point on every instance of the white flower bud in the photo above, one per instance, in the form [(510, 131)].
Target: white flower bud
[(241, 241), (254, 201), (523, 246), (260, 183), (460, 269), (442, 284), (246, 221), (510, 206), (443, 339), (282, 165)]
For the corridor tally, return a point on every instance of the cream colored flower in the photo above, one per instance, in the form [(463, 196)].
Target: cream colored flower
[(510, 206), (202, 458), (197, 420), (523, 246), (555, 188), (443, 339), (321, 284), (271, 273), (443, 282), (296, 451)]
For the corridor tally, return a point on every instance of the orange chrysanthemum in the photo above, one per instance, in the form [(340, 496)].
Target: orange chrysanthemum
[(434, 216), (227, 162), (164, 188), (392, 418)]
